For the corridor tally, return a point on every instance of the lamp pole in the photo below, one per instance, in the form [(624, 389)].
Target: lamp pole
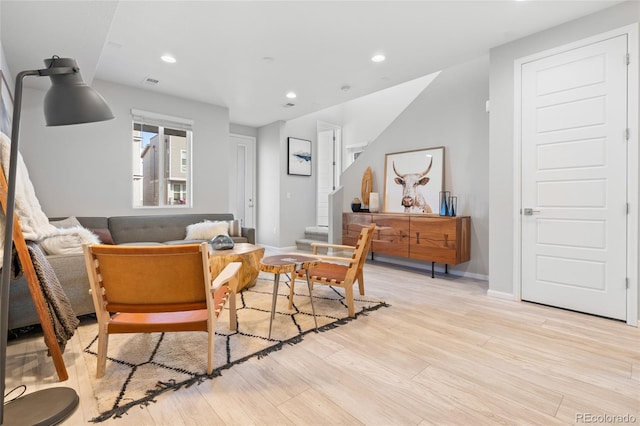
[(8, 232), (48, 406)]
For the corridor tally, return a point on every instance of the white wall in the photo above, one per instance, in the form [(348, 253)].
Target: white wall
[(501, 176), (450, 112), (366, 117), (269, 173), (239, 129), (5, 69), (85, 170)]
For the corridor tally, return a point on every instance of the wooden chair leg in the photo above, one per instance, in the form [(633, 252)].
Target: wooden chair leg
[(211, 340), (361, 283), (292, 285), (233, 315), (103, 345), (348, 295)]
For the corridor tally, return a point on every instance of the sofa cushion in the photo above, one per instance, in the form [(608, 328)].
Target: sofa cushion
[(125, 229), (235, 230), (179, 242)]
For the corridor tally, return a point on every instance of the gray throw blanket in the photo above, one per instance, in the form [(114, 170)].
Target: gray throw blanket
[(62, 317)]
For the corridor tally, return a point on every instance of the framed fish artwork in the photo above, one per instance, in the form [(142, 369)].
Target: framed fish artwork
[(299, 157)]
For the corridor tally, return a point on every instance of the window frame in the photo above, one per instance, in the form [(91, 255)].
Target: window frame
[(166, 182)]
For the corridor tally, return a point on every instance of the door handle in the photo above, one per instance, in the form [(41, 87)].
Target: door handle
[(529, 211)]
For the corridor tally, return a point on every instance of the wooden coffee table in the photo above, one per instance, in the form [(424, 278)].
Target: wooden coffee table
[(248, 254)]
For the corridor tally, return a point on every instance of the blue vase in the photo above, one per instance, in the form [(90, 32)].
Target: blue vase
[(453, 205), (444, 206)]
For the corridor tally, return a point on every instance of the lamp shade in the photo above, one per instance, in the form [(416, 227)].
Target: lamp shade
[(70, 100)]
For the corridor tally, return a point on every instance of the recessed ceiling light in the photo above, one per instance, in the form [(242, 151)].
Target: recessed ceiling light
[(292, 95), (168, 58), (378, 58)]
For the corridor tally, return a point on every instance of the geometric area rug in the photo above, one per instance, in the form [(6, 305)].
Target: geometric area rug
[(141, 367)]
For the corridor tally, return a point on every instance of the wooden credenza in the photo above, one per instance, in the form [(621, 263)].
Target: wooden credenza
[(429, 237)]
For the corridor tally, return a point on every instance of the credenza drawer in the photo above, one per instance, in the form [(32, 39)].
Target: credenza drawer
[(391, 235)]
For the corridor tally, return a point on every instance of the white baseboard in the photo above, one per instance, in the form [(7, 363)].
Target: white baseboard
[(426, 266), (279, 249), (501, 295)]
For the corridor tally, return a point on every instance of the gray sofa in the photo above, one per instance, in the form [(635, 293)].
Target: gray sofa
[(70, 268)]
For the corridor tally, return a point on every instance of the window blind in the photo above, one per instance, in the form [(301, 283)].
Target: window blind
[(157, 119)]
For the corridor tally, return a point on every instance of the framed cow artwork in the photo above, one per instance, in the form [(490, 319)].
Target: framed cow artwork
[(413, 181)]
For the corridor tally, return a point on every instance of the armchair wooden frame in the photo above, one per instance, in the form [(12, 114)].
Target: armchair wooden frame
[(343, 274), (146, 289), (33, 284)]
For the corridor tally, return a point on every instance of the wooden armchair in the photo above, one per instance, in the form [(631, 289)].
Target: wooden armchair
[(145, 289), (343, 274)]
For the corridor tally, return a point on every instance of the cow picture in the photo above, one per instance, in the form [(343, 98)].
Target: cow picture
[(412, 199), (413, 180)]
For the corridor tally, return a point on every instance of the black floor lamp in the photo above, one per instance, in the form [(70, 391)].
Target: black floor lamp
[(68, 101)]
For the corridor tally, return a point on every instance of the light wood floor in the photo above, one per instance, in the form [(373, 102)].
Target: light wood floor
[(443, 353)]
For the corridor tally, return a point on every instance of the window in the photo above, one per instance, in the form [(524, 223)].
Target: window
[(183, 160), (161, 160), (179, 193)]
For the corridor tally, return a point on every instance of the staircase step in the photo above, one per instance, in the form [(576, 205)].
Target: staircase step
[(304, 244), (318, 233)]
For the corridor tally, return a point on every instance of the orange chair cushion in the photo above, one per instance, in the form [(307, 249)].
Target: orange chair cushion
[(326, 272), (156, 322)]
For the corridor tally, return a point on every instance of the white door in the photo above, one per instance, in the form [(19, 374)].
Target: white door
[(328, 148), (242, 187), (574, 179)]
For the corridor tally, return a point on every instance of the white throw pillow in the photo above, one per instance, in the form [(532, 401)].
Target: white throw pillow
[(206, 230), (68, 240)]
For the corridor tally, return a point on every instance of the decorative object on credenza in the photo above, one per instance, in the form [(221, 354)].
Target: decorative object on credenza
[(356, 205), (413, 180), (298, 157), (453, 206), (68, 101), (444, 202), (374, 202), (367, 186)]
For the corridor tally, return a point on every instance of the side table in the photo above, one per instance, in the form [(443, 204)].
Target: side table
[(287, 264)]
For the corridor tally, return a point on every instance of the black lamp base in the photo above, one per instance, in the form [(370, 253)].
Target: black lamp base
[(41, 408)]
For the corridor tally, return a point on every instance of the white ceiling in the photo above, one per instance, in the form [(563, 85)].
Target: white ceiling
[(317, 47)]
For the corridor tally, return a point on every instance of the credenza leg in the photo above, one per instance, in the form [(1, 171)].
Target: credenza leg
[(446, 268), (433, 269)]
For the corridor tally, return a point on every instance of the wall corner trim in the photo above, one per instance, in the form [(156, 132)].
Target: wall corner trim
[(501, 295)]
